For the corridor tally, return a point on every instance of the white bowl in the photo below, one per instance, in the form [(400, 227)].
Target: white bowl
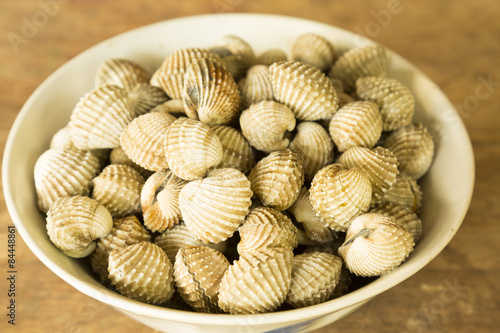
[(447, 186)]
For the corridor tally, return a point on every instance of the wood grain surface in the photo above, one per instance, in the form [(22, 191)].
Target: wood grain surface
[(456, 43)]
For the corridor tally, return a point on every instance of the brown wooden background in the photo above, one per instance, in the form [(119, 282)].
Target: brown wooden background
[(454, 42)]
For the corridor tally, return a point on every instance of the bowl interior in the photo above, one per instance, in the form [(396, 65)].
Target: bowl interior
[(447, 187)]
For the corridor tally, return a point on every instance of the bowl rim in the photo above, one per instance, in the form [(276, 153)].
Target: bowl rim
[(138, 308)]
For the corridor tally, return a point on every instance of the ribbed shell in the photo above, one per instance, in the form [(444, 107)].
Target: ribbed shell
[(402, 215), (345, 99), (172, 106), (414, 148), (305, 214), (314, 50), (118, 156), (266, 227), (198, 272), (236, 54), (304, 89), (265, 125), (277, 179), (143, 140), (395, 100), (171, 240), (313, 143), (405, 192), (256, 86), (271, 56), (62, 139), (375, 244), (170, 75), (121, 72), (314, 278), (339, 195), (100, 117), (145, 97), (74, 223), (61, 172), (160, 200), (359, 62), (142, 272), (118, 188), (257, 282), (126, 231), (210, 93), (237, 152), (192, 148), (379, 164), (214, 207), (357, 124)]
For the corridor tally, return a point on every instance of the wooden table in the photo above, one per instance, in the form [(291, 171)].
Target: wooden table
[(455, 43)]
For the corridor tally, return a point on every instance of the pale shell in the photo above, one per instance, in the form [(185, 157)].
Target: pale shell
[(277, 179), (236, 54), (395, 100), (142, 272), (210, 93), (414, 148), (74, 223), (121, 72), (62, 139), (375, 244), (198, 272), (314, 278), (61, 172), (304, 89), (403, 215), (314, 50), (265, 125), (145, 97), (257, 282), (357, 124), (118, 188), (339, 195), (118, 156), (173, 106), (237, 152), (271, 56), (266, 227), (379, 164), (256, 86), (214, 207), (313, 143), (192, 148), (143, 140), (405, 192)]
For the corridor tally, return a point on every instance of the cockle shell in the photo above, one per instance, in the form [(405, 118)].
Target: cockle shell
[(256, 86), (170, 75), (236, 54), (173, 106), (314, 278), (126, 231), (305, 214), (266, 227), (171, 240), (210, 93), (375, 244), (379, 164), (237, 152), (74, 223), (313, 143), (395, 100), (198, 272), (121, 72), (357, 124), (62, 139), (160, 200), (402, 215), (214, 207), (142, 272), (257, 282), (405, 192), (304, 89), (414, 148), (271, 56), (314, 50), (100, 117), (118, 156), (359, 62), (338, 85), (143, 140), (145, 97), (277, 179), (345, 99), (191, 148), (338, 195), (265, 125), (118, 188), (61, 172)]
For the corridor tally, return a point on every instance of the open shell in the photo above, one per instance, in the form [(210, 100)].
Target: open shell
[(237, 152), (405, 192), (314, 50), (271, 56), (121, 72), (256, 86), (402, 215)]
